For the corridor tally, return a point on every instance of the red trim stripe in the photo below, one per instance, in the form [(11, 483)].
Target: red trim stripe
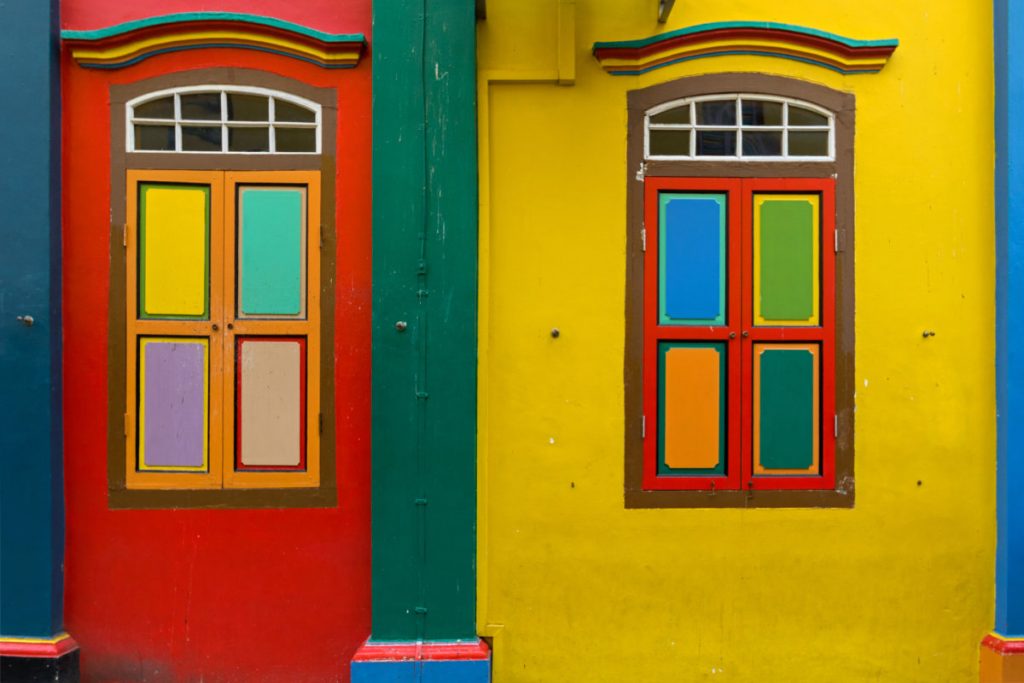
[(1003, 646), (420, 651), (43, 650)]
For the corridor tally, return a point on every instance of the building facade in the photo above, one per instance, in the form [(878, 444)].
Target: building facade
[(517, 341)]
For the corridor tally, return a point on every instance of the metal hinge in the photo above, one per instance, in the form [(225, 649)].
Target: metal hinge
[(835, 236), (124, 235), (643, 239), (643, 426), (835, 426)]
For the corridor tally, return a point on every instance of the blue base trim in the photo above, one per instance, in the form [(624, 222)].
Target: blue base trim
[(457, 671)]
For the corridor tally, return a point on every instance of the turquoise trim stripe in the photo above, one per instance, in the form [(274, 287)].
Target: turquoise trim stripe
[(205, 46), (757, 53), (191, 17), (768, 25)]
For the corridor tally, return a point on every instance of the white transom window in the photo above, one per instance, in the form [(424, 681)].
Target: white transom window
[(739, 127), (223, 119)]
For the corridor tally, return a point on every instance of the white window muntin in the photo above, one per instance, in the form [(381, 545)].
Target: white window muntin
[(738, 128), (224, 123)]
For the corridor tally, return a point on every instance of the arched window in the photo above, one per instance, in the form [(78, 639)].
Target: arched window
[(223, 119), (739, 305), (740, 126), (224, 199)]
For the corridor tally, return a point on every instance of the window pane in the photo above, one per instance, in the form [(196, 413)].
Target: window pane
[(670, 142), (200, 139), (247, 107), (249, 139), (717, 113), (798, 116), (296, 139), (286, 111), (174, 247), (691, 265), (677, 115), (716, 143), (271, 252), (762, 113), (787, 410), (270, 403), (202, 106), (162, 108), (174, 402), (786, 256), (808, 143), (154, 137), (692, 405), (762, 143)]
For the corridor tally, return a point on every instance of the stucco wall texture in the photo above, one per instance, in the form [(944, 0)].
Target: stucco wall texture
[(573, 586)]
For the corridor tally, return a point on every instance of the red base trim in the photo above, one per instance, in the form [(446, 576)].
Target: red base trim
[(421, 651), (49, 648), (1004, 646)]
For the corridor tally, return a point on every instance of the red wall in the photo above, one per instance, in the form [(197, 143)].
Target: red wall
[(221, 595), (333, 16)]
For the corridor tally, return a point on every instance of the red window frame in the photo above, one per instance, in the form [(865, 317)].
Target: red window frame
[(739, 334)]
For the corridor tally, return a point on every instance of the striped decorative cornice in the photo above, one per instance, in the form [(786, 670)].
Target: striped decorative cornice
[(845, 55), (125, 44)]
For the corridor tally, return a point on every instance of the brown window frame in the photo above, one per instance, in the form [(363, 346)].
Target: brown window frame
[(123, 161), (840, 168)]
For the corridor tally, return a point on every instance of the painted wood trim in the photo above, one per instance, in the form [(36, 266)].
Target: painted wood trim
[(122, 45), (251, 327), (769, 39), (823, 334), (655, 333), (135, 477)]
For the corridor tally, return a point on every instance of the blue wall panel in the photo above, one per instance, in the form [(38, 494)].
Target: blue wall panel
[(31, 488), (1009, 53)]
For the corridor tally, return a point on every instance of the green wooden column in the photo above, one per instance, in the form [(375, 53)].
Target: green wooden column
[(424, 320)]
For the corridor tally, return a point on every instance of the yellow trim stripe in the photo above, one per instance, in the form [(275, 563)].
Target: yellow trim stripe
[(40, 641), (746, 44), (248, 37)]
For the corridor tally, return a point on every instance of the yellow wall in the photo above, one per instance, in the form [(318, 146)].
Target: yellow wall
[(574, 587)]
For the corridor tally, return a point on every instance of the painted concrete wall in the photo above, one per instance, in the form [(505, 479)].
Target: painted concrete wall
[(208, 594), (900, 588)]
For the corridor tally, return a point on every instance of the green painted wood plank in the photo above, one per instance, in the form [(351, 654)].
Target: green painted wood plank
[(787, 409), (424, 273), (787, 260)]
